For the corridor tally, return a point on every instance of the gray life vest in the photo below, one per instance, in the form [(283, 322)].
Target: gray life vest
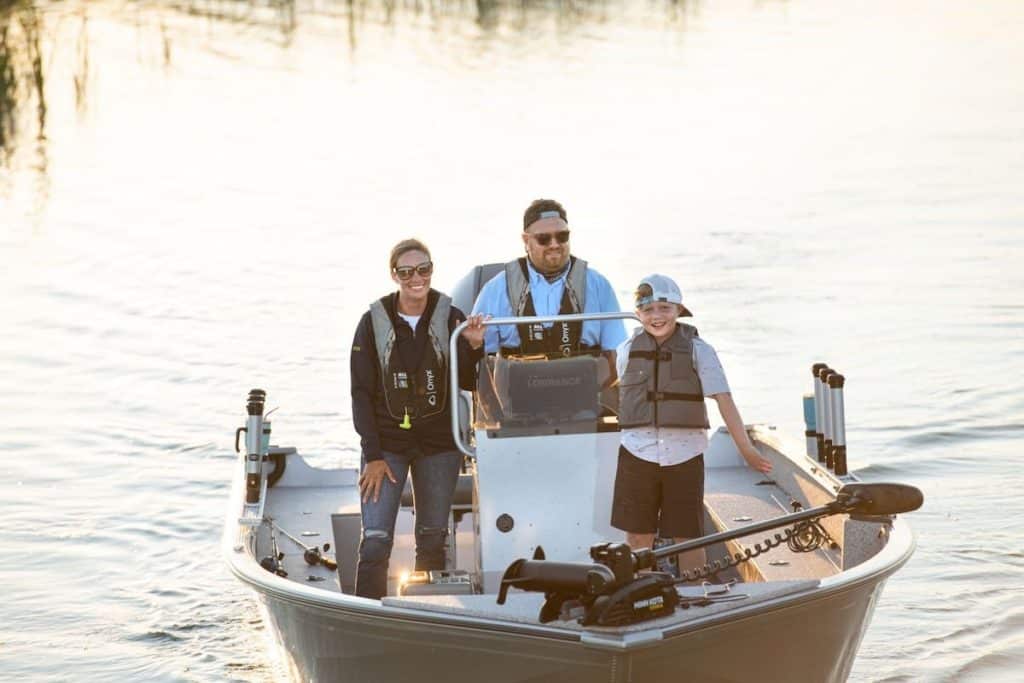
[(417, 392), (660, 385), (560, 339)]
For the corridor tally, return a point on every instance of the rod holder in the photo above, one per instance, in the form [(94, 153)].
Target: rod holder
[(835, 384), (824, 455), (254, 444), (819, 419)]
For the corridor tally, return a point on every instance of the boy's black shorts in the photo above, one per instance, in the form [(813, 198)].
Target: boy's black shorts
[(650, 498)]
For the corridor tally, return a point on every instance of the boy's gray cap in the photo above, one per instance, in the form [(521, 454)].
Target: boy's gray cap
[(662, 288)]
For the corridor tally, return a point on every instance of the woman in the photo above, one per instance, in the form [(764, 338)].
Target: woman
[(399, 364)]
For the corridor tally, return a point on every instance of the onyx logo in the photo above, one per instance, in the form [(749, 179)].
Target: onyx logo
[(431, 389)]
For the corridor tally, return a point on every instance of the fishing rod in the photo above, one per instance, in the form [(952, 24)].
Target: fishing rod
[(311, 554), (611, 592), (272, 563)]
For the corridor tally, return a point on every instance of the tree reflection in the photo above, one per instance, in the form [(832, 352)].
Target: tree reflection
[(22, 76), (31, 29)]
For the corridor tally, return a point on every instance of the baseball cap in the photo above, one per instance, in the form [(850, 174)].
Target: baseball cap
[(543, 208), (657, 287)]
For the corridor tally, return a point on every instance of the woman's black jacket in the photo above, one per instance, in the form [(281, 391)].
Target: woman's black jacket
[(377, 429)]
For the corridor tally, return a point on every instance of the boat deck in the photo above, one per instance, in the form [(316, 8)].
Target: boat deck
[(733, 497), (737, 496)]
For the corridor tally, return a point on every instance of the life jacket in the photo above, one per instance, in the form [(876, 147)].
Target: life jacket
[(660, 385), (558, 340), (414, 392)]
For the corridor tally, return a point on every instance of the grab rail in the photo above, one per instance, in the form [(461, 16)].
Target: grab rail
[(453, 356)]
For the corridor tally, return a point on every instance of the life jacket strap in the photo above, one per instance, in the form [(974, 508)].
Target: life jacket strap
[(672, 396)]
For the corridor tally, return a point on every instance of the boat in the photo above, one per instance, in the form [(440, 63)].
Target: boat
[(538, 586)]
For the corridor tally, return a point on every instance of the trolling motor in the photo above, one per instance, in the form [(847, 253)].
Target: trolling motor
[(611, 592)]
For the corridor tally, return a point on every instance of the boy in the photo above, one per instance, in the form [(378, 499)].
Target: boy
[(665, 371)]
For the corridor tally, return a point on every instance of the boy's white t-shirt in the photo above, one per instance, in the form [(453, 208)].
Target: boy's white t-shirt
[(668, 446)]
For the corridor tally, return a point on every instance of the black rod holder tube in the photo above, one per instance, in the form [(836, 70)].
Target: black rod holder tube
[(835, 384), (819, 419), (826, 415)]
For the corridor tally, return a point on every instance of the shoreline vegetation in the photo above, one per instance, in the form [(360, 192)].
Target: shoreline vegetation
[(22, 74), (37, 34)]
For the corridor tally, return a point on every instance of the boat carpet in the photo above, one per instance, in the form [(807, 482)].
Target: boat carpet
[(734, 498), (525, 607)]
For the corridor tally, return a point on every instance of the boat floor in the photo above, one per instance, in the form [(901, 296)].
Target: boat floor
[(734, 496)]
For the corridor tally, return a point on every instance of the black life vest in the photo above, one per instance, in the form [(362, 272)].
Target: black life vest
[(417, 392), (557, 340)]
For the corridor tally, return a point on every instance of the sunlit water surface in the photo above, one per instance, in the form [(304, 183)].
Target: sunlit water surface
[(211, 211)]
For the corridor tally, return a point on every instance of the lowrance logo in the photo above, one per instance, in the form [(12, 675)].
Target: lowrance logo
[(553, 382)]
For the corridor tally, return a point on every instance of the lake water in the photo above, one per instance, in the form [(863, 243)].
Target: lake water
[(207, 202)]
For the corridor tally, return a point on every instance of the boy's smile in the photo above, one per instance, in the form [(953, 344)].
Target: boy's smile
[(659, 319)]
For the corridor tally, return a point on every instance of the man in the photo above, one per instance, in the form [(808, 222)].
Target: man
[(549, 281)]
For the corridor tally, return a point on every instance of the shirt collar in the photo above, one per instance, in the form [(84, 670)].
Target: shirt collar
[(536, 277)]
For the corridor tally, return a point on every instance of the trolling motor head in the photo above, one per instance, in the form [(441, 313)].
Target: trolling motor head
[(561, 582), (878, 499)]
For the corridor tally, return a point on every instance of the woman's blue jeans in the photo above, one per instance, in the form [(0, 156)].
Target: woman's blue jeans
[(433, 483)]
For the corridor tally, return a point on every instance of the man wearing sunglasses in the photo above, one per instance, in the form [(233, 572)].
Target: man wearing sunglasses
[(549, 281)]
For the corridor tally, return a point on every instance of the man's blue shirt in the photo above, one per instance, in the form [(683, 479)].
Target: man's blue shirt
[(547, 299)]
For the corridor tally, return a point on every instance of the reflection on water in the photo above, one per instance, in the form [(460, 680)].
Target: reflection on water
[(37, 39), (22, 77)]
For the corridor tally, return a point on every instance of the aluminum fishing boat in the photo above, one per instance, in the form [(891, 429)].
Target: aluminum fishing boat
[(539, 586)]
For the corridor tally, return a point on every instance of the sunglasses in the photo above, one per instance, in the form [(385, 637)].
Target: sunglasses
[(423, 270), (544, 238)]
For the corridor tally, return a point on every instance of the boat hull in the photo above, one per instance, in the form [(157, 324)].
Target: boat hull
[(809, 638), (796, 627)]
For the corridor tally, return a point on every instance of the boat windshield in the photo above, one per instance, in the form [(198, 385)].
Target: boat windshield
[(533, 396)]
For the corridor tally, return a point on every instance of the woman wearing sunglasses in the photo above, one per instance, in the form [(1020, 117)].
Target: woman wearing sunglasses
[(399, 365)]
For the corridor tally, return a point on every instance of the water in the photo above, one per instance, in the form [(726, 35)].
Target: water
[(207, 202)]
